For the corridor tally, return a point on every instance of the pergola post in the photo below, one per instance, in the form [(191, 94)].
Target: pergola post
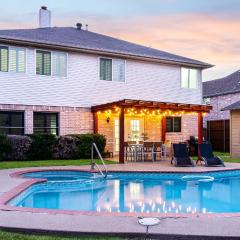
[(121, 135), (200, 132), (163, 129), (95, 122)]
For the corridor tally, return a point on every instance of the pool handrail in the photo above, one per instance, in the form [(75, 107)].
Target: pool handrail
[(93, 161)]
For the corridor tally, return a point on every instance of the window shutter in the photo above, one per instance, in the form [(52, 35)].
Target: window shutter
[(3, 59), (119, 70)]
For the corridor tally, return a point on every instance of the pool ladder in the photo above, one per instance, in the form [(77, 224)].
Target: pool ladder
[(103, 172)]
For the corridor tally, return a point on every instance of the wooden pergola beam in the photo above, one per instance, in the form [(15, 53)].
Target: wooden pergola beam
[(128, 103)]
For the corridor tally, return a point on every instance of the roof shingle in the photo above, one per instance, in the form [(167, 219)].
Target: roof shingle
[(234, 106), (227, 85), (82, 39)]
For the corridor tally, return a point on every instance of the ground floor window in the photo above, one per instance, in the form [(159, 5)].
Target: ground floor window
[(173, 124), (45, 123), (11, 123)]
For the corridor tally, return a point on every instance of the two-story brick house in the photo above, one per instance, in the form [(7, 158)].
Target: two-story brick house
[(66, 80), (220, 93)]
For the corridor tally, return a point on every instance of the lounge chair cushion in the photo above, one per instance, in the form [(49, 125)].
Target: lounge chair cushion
[(184, 161), (214, 161)]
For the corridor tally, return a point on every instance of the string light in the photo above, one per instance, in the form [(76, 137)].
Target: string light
[(149, 113)]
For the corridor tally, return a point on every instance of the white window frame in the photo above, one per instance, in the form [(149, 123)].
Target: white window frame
[(197, 80), (51, 75), (25, 59), (26, 54), (112, 59)]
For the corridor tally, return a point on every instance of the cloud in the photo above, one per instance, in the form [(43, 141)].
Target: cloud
[(212, 38)]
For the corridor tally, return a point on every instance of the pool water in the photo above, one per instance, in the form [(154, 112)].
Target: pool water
[(134, 192)]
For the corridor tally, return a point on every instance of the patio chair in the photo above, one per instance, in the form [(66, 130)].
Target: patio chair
[(180, 156), (147, 151), (206, 154), (128, 152), (157, 149)]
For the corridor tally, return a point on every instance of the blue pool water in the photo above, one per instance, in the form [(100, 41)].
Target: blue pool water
[(134, 192)]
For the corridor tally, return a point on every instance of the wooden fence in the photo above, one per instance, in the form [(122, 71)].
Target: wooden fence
[(218, 134)]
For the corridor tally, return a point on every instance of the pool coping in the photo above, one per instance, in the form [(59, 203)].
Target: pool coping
[(8, 196)]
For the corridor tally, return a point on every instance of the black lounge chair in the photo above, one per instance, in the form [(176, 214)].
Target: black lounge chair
[(206, 154), (180, 156)]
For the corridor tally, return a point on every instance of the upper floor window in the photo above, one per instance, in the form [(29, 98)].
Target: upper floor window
[(51, 63), (12, 59), (3, 59), (43, 62), (189, 78), (112, 70), (173, 124), (11, 123), (17, 59)]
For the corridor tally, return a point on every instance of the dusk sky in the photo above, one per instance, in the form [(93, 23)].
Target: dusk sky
[(207, 30)]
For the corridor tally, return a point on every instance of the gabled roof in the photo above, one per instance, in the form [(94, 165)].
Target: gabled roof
[(234, 106), (75, 39), (227, 85)]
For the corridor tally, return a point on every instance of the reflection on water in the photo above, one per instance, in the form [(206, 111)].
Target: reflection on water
[(143, 195)]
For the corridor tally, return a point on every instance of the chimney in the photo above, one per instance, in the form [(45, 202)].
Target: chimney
[(44, 17), (79, 26)]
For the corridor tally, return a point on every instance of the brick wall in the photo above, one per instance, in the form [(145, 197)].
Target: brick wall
[(72, 120), (218, 103), (152, 126)]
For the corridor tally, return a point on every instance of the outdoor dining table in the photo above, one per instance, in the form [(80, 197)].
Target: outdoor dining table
[(139, 147)]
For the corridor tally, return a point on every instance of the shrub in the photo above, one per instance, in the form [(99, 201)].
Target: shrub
[(66, 147), (41, 148), (85, 144), (20, 146), (5, 147)]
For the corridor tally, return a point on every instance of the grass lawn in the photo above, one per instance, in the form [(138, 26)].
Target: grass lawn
[(45, 163), (225, 156), (15, 236)]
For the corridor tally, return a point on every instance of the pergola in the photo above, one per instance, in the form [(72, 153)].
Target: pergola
[(149, 107)]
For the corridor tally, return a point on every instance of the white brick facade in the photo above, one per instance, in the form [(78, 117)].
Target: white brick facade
[(218, 103), (82, 87)]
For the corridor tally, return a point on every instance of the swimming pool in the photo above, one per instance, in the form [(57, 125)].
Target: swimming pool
[(131, 192)]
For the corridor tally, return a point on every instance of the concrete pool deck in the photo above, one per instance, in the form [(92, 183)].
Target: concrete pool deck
[(226, 225)]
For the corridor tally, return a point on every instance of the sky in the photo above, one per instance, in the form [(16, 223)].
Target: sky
[(207, 30)]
